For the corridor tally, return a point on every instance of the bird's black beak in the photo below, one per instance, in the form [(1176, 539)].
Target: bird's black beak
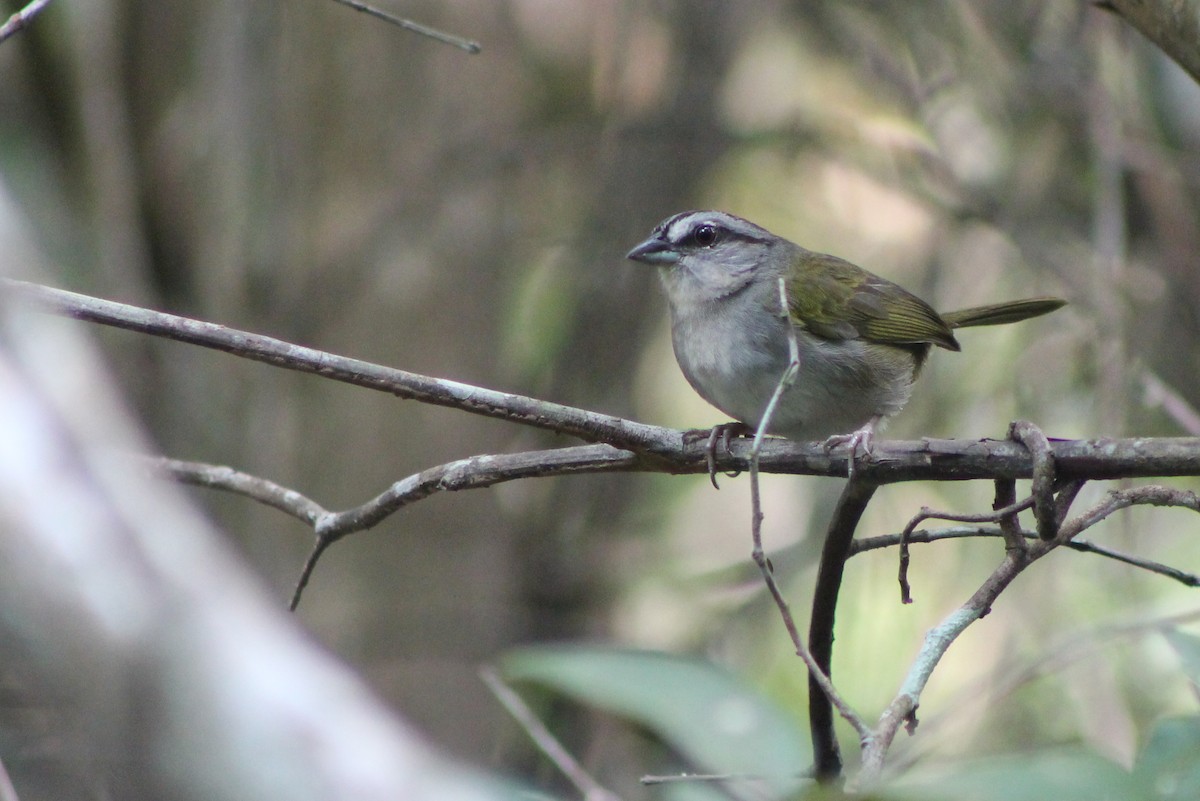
[(654, 250)]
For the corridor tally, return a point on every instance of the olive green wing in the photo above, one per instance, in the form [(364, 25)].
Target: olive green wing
[(835, 299)]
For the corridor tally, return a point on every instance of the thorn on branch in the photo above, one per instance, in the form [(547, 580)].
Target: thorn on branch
[(911, 722)]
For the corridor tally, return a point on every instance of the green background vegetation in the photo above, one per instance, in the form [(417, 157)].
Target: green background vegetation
[(305, 172)]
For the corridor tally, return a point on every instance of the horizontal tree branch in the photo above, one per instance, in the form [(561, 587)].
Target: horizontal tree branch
[(472, 473), (662, 449), (586, 425)]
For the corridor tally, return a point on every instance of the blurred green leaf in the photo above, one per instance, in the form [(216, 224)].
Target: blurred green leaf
[(1188, 647), (711, 716), (1072, 775), (691, 791), (1169, 764)]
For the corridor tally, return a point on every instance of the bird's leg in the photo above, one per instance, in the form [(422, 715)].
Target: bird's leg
[(863, 436), (721, 433)]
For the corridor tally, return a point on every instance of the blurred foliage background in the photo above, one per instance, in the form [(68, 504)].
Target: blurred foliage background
[(307, 172)]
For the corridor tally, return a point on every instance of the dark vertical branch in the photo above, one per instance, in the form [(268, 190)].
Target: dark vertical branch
[(1010, 526), (827, 757)]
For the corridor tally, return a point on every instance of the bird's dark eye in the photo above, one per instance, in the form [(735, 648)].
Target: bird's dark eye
[(705, 235)]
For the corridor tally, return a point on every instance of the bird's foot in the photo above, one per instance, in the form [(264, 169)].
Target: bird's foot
[(721, 434), (863, 437)]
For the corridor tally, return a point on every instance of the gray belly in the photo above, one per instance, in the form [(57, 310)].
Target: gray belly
[(840, 384)]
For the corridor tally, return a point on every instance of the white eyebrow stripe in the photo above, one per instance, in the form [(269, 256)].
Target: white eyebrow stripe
[(679, 226), (676, 229)]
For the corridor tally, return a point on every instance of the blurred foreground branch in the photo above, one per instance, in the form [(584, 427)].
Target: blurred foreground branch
[(121, 602), (1173, 25)]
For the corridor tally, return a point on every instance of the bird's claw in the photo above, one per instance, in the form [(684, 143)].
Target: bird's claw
[(863, 438), (722, 434)]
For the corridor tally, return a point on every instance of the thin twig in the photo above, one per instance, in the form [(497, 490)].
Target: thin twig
[(997, 685), (926, 536), (1009, 510), (225, 478), (742, 786), (310, 565), (785, 381), (546, 742), (817, 672), (22, 18), (700, 778), (473, 473), (476, 472), (467, 45), (939, 639), (902, 710), (817, 654), (1182, 576), (1149, 495)]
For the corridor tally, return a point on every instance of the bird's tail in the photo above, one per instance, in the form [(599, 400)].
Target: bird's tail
[(1012, 311)]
